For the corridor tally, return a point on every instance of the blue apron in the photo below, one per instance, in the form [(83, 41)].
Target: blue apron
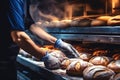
[(11, 18)]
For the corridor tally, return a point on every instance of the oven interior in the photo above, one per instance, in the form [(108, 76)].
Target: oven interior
[(57, 18)]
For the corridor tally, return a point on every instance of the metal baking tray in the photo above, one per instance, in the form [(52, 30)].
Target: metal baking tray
[(39, 67)]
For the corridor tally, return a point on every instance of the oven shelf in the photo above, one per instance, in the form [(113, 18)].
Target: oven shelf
[(101, 34), (87, 30)]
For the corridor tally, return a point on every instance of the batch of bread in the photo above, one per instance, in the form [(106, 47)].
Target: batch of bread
[(85, 22), (90, 66), (95, 66)]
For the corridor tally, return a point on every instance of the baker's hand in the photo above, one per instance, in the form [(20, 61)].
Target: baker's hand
[(67, 49), (50, 61)]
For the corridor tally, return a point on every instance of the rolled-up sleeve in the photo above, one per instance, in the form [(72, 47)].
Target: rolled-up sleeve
[(16, 14)]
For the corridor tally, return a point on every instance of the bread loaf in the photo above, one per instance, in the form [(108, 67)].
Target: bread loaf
[(58, 58), (116, 77), (65, 63), (65, 23), (58, 54), (85, 56), (60, 24), (82, 49), (97, 72), (81, 22), (100, 60), (100, 52), (98, 23), (114, 21), (116, 56), (104, 18), (76, 67), (115, 66)]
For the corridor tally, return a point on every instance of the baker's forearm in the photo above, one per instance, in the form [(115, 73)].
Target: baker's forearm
[(42, 34), (25, 42)]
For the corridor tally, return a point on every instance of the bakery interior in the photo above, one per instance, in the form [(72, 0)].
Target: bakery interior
[(91, 26)]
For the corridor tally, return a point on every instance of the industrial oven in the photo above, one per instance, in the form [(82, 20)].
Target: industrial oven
[(89, 25)]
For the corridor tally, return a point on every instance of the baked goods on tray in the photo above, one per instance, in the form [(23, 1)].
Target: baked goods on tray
[(76, 67), (100, 60), (115, 66), (97, 72)]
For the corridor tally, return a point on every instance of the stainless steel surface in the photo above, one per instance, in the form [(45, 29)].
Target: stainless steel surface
[(87, 30), (39, 67), (101, 34)]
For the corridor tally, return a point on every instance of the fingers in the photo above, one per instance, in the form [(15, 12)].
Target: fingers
[(75, 52)]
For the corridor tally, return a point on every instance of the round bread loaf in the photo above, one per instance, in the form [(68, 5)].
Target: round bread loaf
[(97, 72), (104, 18), (100, 52), (85, 56), (60, 24), (116, 56), (65, 23), (98, 23), (59, 57), (76, 67), (81, 22), (58, 54), (114, 21), (100, 60), (82, 49), (116, 77), (65, 63), (115, 66)]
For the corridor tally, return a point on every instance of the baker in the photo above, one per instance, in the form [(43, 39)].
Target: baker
[(14, 37)]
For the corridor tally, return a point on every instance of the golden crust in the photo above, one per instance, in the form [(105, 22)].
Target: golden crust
[(100, 52), (97, 73), (115, 66), (104, 18), (116, 56), (76, 68), (117, 77), (65, 64), (99, 60), (98, 23), (114, 21)]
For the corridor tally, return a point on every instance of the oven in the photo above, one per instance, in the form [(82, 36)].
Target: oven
[(88, 24)]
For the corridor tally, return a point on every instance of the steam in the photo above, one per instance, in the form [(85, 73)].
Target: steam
[(46, 11), (57, 10), (68, 11), (51, 10), (50, 17)]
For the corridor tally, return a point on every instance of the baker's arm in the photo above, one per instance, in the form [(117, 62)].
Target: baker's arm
[(26, 43), (65, 47), (37, 30)]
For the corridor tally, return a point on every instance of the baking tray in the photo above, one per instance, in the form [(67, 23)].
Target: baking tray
[(38, 66)]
